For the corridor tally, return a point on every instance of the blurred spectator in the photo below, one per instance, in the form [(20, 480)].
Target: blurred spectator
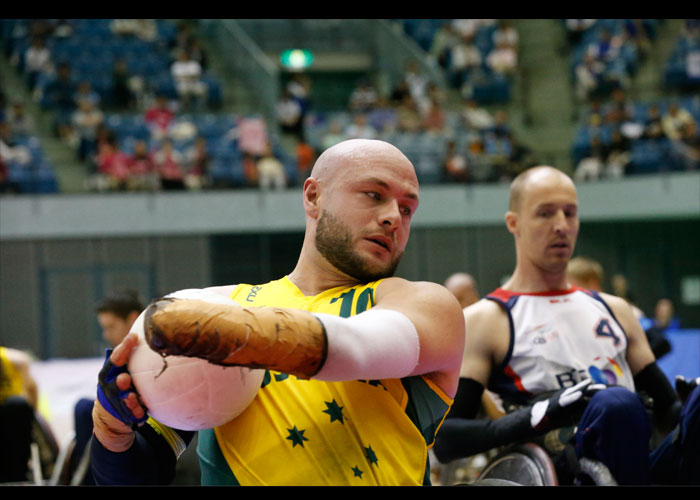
[(417, 83), (144, 29), (470, 27), (456, 164), (638, 33), (187, 76), (691, 29), (476, 117), (5, 184), (197, 159), (143, 175), (618, 155), (62, 28), (500, 127), (159, 118), (363, 98), (12, 152), (435, 117), (503, 59), (181, 40), (585, 273), (465, 58), (463, 287), (305, 156), (686, 149), (59, 97), (123, 95), (621, 114), (575, 29), (589, 77), (290, 115), (333, 135), (674, 120), (663, 320), (592, 166), (653, 128), (116, 313), (399, 93), (252, 136), (299, 86), (605, 46), (250, 170), (506, 34), (113, 169), (37, 61), (621, 289), (521, 157), (21, 123), (271, 174), (445, 38), (383, 117), (664, 314), (18, 403), (197, 52), (407, 115), (86, 121), (359, 128), (85, 92), (168, 162)]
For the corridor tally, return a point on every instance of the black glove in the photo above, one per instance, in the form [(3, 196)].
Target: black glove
[(564, 407), (685, 387)]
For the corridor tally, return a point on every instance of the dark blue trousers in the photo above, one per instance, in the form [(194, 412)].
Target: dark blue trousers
[(616, 429)]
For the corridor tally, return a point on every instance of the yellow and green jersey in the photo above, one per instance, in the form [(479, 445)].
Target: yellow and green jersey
[(310, 432), (11, 381)]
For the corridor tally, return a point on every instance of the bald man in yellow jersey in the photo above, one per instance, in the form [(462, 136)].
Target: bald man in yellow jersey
[(360, 374)]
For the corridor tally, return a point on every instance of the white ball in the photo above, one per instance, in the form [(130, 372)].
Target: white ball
[(191, 393)]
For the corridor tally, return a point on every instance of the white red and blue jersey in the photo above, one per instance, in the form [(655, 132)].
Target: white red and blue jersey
[(558, 339)]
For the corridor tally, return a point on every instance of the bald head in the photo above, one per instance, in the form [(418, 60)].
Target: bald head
[(463, 287), (532, 177), (351, 157)]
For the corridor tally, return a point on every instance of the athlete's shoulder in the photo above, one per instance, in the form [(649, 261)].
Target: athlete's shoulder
[(484, 314), (395, 284)]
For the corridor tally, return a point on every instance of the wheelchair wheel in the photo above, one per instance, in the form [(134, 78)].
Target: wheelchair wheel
[(525, 464), (593, 473)]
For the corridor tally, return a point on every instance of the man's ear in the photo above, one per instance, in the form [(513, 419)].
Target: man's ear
[(312, 193), (511, 222)]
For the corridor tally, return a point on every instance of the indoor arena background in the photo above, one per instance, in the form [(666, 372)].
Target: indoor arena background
[(508, 94)]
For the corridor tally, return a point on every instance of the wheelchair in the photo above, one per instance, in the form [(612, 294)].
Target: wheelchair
[(523, 464)]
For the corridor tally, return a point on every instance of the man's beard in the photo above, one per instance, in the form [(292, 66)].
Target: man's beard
[(334, 242)]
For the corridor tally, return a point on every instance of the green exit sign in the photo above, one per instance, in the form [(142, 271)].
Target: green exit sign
[(296, 58)]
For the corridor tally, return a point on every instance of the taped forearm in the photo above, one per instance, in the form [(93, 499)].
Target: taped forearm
[(375, 344), (460, 438), (285, 340)]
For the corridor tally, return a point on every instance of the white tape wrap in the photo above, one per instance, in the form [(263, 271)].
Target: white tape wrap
[(375, 344)]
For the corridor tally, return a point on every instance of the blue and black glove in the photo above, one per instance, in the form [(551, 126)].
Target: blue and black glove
[(111, 397)]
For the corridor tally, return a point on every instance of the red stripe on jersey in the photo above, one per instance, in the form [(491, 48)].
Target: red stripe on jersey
[(505, 295), (516, 380)]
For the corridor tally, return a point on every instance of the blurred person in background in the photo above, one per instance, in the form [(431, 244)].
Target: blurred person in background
[(18, 403)]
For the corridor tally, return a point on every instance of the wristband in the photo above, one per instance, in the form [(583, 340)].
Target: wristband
[(375, 344)]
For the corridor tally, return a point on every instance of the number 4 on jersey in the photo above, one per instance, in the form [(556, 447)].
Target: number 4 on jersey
[(603, 329)]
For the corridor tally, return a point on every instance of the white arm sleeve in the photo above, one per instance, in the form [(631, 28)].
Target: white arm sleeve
[(375, 344)]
